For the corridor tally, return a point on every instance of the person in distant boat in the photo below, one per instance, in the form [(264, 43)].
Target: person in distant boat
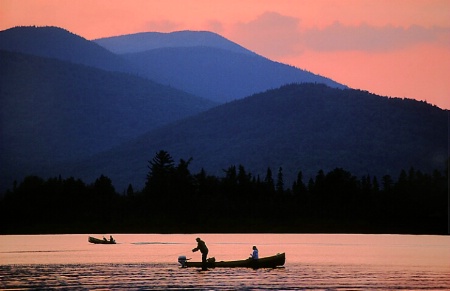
[(104, 238), (201, 246), (111, 238), (255, 254)]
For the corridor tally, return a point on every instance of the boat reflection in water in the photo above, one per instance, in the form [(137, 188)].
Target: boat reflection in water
[(277, 260)]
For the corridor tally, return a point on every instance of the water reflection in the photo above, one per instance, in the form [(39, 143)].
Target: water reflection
[(169, 277), (321, 262)]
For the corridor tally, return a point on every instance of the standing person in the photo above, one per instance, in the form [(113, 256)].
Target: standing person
[(203, 249), (255, 254)]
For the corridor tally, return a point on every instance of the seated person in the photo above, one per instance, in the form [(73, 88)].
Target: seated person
[(254, 255)]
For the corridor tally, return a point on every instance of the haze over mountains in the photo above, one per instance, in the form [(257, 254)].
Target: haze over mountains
[(205, 64), (72, 107)]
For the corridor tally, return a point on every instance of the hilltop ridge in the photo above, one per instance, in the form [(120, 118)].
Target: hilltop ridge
[(59, 43), (307, 127), (144, 41)]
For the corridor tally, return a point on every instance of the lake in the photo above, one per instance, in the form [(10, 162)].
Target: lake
[(149, 262)]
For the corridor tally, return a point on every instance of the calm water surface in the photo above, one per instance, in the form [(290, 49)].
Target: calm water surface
[(149, 262)]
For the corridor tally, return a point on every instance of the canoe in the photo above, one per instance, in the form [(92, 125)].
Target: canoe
[(268, 262), (101, 241)]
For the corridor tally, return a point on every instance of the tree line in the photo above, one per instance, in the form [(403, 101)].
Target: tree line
[(174, 200)]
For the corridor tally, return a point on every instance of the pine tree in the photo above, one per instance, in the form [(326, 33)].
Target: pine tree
[(298, 187), (269, 183), (160, 174), (280, 182), (130, 190)]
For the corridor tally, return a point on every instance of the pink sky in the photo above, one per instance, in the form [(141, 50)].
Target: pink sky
[(397, 48)]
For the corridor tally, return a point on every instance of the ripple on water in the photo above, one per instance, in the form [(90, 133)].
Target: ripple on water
[(171, 277)]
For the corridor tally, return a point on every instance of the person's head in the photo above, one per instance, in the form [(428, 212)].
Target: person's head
[(198, 239), (254, 247)]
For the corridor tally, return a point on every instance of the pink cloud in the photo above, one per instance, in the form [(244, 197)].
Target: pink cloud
[(338, 37), (270, 34), (274, 35)]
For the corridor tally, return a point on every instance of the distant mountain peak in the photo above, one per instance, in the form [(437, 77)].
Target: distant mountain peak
[(58, 43), (144, 41), (23, 28), (37, 34)]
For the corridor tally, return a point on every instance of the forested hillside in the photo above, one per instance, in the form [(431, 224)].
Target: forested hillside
[(53, 111), (58, 43), (298, 127), (218, 74)]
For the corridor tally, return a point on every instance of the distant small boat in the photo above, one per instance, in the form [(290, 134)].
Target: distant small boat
[(94, 240), (268, 262)]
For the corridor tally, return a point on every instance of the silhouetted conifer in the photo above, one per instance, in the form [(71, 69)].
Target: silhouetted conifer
[(280, 182), (159, 177), (269, 182), (130, 190), (298, 187)]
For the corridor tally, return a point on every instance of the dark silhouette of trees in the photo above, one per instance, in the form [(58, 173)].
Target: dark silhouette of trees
[(58, 205), (160, 175), (103, 188), (175, 200), (183, 182), (280, 182), (229, 182), (130, 190), (244, 181), (269, 182), (298, 187)]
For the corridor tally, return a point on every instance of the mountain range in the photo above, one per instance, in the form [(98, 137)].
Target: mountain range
[(298, 127), (206, 65), (54, 111), (84, 108)]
